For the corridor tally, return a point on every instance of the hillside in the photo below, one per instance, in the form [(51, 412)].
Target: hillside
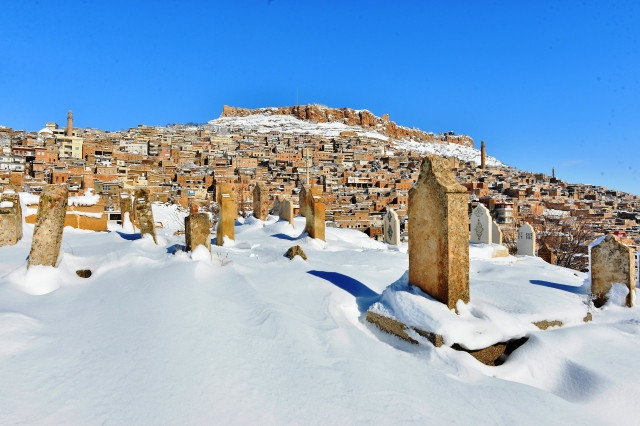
[(350, 117), (246, 336)]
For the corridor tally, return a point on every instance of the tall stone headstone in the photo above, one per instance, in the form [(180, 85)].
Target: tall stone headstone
[(315, 225), (439, 233), (144, 214), (391, 227), (611, 262), (260, 201), (126, 207), (496, 233), (227, 214), (197, 231), (47, 233), (10, 219), (306, 191), (481, 225), (286, 210), (526, 240)]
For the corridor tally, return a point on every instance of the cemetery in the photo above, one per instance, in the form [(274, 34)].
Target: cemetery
[(453, 288)]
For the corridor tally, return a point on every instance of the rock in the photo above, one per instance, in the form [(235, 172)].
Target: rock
[(83, 273), (296, 251)]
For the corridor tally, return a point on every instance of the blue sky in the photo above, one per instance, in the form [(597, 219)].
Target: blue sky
[(545, 84)]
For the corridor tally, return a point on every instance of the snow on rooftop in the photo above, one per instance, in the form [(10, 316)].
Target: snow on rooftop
[(246, 336)]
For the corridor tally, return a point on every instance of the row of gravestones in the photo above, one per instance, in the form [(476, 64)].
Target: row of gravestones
[(438, 235)]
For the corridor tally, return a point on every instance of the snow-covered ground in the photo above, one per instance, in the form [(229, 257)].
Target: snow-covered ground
[(266, 123), (247, 336)]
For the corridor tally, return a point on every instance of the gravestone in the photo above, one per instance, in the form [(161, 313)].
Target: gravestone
[(496, 233), (197, 231), (126, 206), (260, 201), (526, 240), (547, 254), (481, 225), (439, 233), (315, 225), (305, 197), (144, 213), (10, 219), (47, 233), (227, 214), (286, 210), (391, 227), (611, 262)]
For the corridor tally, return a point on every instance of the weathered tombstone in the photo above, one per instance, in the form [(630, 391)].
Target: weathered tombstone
[(315, 225), (305, 197), (286, 210), (526, 240), (126, 207), (47, 233), (439, 233), (481, 225), (611, 262), (260, 201), (302, 199), (197, 231), (10, 219), (496, 233), (391, 227), (547, 254), (227, 214), (144, 213)]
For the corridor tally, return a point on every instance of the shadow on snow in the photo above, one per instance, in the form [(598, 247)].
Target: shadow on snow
[(365, 297)]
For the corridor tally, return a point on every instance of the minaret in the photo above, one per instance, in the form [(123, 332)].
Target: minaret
[(483, 156), (553, 172), (70, 124)]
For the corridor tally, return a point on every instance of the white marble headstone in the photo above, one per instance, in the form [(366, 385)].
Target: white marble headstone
[(391, 227), (481, 225), (526, 240)]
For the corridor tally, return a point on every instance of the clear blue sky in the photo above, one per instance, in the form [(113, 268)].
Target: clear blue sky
[(544, 83)]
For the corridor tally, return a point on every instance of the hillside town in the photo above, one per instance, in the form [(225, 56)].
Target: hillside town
[(360, 165)]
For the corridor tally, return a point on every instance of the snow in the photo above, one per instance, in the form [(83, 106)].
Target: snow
[(265, 123), (6, 204), (247, 336), (89, 199)]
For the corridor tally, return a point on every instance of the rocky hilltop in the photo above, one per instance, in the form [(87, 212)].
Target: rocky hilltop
[(351, 117)]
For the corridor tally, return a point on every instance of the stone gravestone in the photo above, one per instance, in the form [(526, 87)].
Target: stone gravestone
[(126, 207), (439, 233), (10, 219), (305, 199), (302, 199), (227, 213), (496, 233), (547, 254), (260, 201), (526, 240), (286, 210), (47, 233), (481, 225), (611, 262), (197, 231), (144, 213), (315, 225), (391, 227)]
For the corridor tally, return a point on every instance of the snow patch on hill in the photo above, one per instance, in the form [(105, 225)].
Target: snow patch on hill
[(266, 123)]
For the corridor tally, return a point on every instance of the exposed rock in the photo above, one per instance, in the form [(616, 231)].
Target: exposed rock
[(296, 251), (350, 117), (83, 273), (543, 325)]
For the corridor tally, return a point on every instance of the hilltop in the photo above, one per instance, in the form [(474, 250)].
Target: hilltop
[(351, 117)]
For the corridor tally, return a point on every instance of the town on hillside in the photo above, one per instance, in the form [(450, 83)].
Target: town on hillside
[(361, 174)]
